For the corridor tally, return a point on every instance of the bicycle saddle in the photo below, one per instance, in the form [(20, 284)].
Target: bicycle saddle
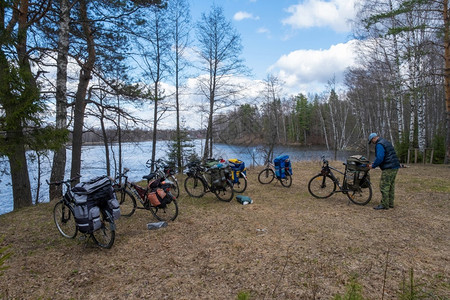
[(149, 176)]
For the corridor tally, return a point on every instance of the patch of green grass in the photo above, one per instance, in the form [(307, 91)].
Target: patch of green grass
[(4, 255), (417, 184), (243, 295)]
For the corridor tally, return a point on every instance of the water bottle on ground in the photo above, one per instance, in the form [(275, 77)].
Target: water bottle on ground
[(157, 225)]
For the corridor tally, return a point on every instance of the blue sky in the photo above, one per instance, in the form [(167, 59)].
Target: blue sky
[(303, 42)]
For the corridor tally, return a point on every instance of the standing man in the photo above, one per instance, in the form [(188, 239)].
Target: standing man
[(387, 160)]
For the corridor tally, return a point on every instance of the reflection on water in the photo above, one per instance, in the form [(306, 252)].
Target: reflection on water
[(135, 156)]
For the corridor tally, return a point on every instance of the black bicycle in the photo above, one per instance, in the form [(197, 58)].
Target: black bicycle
[(63, 213), (64, 217), (201, 180), (356, 184)]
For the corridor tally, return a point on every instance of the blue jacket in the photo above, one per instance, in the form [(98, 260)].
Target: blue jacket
[(386, 158)]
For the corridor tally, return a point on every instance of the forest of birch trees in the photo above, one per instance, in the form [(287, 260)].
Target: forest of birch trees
[(65, 61), (400, 89)]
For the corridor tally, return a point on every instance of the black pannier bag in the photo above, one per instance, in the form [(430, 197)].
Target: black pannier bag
[(87, 214), (358, 172), (89, 197), (218, 177)]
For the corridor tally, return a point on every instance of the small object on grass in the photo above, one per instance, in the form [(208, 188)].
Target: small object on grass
[(156, 225), (261, 230), (244, 200)]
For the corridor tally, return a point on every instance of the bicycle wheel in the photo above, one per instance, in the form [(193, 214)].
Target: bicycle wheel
[(360, 196), (175, 190), (286, 181), (226, 193), (64, 218), (321, 186), (241, 185), (266, 176), (127, 202), (105, 236), (195, 187), (167, 213)]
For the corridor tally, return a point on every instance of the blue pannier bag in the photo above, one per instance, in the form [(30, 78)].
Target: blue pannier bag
[(282, 166), (237, 167)]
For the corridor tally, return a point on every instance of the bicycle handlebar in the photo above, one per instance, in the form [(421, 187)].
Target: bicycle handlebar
[(123, 174), (64, 181), (157, 163)]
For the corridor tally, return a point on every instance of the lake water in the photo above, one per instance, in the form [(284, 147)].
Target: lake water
[(135, 156)]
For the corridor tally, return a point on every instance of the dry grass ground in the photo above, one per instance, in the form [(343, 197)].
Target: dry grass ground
[(287, 245)]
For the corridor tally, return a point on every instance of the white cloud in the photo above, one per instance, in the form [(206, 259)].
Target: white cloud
[(310, 70), (242, 15), (264, 31), (320, 13)]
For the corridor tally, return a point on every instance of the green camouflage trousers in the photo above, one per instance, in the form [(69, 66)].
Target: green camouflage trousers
[(387, 187)]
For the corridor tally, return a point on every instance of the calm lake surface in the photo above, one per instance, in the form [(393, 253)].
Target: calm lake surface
[(135, 156)]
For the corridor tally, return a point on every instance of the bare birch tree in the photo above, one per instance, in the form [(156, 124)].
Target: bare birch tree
[(219, 49), (59, 156), (179, 19), (154, 46)]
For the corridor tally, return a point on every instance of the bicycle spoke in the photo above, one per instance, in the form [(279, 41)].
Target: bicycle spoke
[(321, 186), (65, 220), (266, 176)]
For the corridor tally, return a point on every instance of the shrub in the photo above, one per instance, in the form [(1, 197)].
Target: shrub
[(410, 290), (354, 291)]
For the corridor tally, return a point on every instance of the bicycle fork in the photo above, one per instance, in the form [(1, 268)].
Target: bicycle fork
[(335, 180)]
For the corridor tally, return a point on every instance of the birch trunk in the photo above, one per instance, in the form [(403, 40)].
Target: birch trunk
[(324, 127), (59, 156), (446, 17), (397, 81)]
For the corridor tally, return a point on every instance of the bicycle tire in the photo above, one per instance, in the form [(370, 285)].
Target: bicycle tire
[(105, 236), (321, 186), (167, 213), (127, 202), (175, 190), (64, 218), (266, 176), (241, 185), (360, 196), (194, 186), (226, 193), (286, 181)]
